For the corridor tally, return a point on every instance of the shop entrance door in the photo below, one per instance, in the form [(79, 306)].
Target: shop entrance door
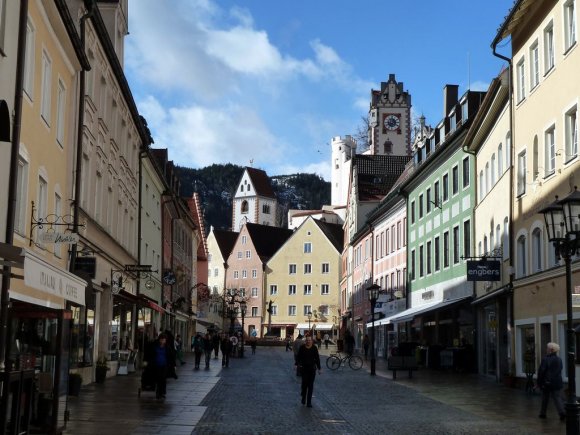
[(489, 340)]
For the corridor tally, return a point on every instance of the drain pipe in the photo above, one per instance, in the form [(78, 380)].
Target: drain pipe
[(12, 185)]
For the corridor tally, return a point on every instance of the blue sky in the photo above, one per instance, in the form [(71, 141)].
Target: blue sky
[(269, 83)]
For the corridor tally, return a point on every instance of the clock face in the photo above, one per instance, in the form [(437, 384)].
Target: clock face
[(392, 122)]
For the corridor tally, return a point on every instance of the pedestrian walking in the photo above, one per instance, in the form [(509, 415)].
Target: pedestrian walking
[(326, 340), (157, 358), (215, 339), (349, 342), (226, 348), (366, 343), (295, 348), (550, 380), (309, 361), (171, 354), (253, 344), (207, 349), (179, 349), (197, 347), (288, 343)]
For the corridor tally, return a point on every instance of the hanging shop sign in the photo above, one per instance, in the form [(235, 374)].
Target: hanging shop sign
[(58, 238), (87, 265), (484, 270)]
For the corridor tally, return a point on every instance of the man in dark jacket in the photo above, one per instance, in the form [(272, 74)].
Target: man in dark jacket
[(550, 380), (226, 348), (309, 360)]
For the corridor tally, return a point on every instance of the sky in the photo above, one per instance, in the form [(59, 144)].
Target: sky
[(269, 83)]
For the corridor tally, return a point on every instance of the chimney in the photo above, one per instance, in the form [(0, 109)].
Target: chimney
[(450, 95)]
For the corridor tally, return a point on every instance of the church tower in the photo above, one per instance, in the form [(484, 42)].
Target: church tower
[(343, 150), (254, 200), (390, 120)]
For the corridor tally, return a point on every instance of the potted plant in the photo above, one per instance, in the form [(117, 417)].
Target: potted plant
[(75, 381), (101, 369)]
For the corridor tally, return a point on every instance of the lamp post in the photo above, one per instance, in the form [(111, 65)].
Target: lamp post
[(309, 315), (243, 307), (374, 291), (563, 226)]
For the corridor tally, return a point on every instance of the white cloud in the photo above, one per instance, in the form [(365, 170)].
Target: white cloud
[(321, 168)]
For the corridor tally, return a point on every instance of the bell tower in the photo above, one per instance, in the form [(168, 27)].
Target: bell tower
[(390, 119)]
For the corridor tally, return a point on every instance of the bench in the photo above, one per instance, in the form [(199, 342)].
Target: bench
[(408, 363)]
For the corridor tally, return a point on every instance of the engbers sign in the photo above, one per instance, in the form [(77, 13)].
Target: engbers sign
[(484, 270)]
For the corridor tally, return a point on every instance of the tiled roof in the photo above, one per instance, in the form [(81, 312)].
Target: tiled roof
[(261, 182), (376, 174), (226, 241), (333, 232), (266, 239)]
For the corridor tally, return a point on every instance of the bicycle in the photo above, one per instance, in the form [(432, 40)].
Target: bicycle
[(334, 361)]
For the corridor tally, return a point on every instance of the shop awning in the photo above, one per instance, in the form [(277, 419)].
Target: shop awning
[(304, 326), (156, 307), (323, 326), (411, 313)]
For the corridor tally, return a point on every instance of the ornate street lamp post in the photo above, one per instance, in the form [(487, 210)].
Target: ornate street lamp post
[(309, 315), (243, 308), (374, 291), (563, 226)]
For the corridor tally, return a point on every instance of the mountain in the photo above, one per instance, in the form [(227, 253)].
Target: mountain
[(215, 185)]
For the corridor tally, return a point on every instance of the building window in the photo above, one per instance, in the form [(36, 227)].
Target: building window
[(307, 268), (521, 184), (254, 292), (428, 203), (216, 272), (549, 47), (274, 310), (521, 80), (534, 65), (273, 290), (236, 274), (467, 239), (436, 193), (506, 239), (437, 254), (446, 249), (492, 170), (248, 254), (244, 240), (245, 207), (28, 84), (291, 310), (522, 257), (41, 206), (60, 112), (412, 212), (537, 249), (240, 255), (266, 208), (21, 196), (428, 257), (535, 159), (307, 309), (465, 172), (254, 311), (46, 89), (569, 24), (244, 273), (254, 273), (324, 289), (291, 289), (455, 173), (307, 247), (456, 244), (292, 269), (571, 121), (325, 268), (445, 187), (550, 151), (420, 206), (307, 289), (499, 161), (421, 262), (413, 264)]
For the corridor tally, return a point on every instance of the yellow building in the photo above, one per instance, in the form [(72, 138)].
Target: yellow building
[(303, 277), (546, 93)]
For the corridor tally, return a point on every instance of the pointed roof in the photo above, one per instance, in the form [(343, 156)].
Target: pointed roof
[(197, 215), (376, 174), (333, 232), (267, 239), (226, 241), (261, 182)]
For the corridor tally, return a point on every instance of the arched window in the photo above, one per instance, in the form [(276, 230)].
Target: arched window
[(508, 150), (493, 170), (487, 178), (498, 236), (485, 251), (506, 239), (535, 158), (522, 258), (499, 161), (481, 186), (245, 207), (537, 248)]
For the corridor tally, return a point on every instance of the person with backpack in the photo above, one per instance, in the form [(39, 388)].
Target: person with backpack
[(197, 347)]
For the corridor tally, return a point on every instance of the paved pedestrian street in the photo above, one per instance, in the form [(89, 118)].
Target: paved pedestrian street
[(260, 394)]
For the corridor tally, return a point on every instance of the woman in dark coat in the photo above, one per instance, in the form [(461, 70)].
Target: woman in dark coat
[(157, 358), (309, 361), (550, 380)]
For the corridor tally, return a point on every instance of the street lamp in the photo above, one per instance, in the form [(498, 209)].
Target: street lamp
[(374, 291), (309, 315), (563, 226), (243, 308)]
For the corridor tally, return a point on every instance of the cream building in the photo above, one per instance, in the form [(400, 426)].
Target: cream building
[(302, 277), (545, 100)]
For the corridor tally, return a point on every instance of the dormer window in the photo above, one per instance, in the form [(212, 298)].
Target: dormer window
[(442, 133), (452, 122), (464, 114)]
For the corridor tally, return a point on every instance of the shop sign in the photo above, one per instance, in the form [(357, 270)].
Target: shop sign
[(58, 238), (45, 277), (483, 270), (138, 268), (87, 265)]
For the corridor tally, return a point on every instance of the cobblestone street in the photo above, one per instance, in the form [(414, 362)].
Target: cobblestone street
[(260, 395)]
